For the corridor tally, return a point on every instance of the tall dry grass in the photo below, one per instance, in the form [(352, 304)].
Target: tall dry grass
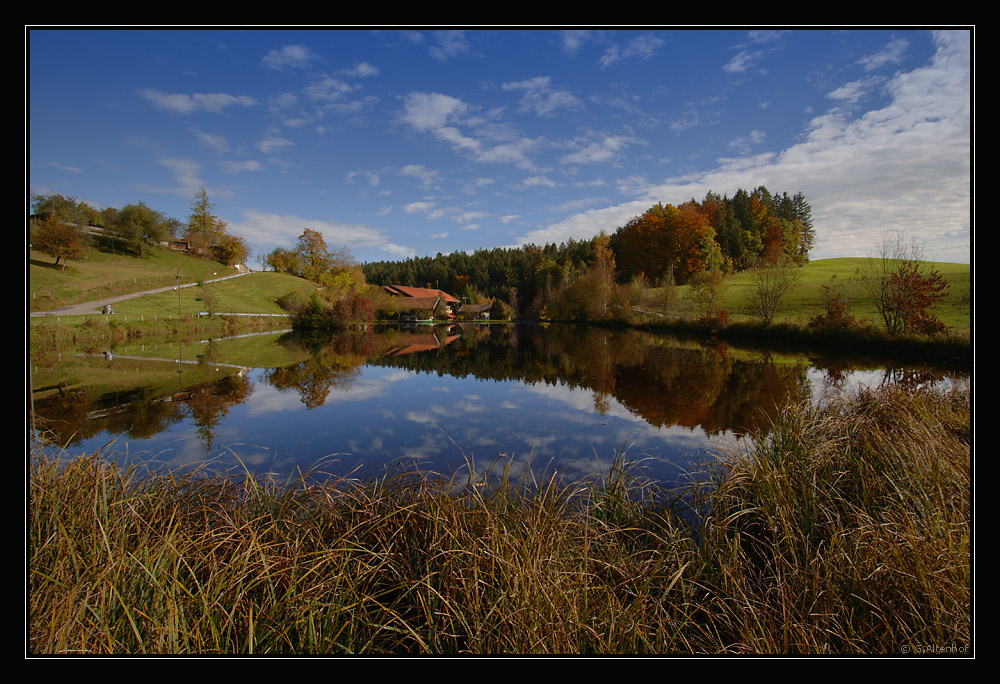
[(847, 532)]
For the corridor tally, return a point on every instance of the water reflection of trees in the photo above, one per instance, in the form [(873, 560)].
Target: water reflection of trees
[(209, 404), (651, 376), (334, 362), (657, 378)]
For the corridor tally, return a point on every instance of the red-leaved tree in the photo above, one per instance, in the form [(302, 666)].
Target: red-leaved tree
[(914, 293), (903, 286)]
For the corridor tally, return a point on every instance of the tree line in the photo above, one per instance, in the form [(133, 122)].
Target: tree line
[(666, 244), (63, 227)]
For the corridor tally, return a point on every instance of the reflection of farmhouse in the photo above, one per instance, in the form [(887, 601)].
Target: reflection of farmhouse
[(419, 303), (422, 343)]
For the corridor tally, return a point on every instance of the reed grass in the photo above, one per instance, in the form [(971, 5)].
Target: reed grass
[(846, 530), (850, 530)]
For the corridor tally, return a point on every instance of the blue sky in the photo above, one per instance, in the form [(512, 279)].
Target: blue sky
[(398, 143)]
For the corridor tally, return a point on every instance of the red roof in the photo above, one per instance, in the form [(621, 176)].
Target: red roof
[(420, 292)]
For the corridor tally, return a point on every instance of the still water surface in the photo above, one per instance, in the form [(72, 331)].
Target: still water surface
[(545, 399)]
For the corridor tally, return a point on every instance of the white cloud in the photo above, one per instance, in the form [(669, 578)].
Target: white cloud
[(235, 167), (467, 216), (642, 47), (283, 101), (372, 177), (182, 103), (442, 115), (606, 149), (448, 44), (855, 90), (538, 182), (72, 169), (418, 207), (573, 40), (266, 231), (289, 56), (187, 172), (749, 51), (432, 111), (515, 152), (362, 70), (427, 177), (272, 144), (214, 141), (540, 97), (892, 53), (328, 88), (744, 143)]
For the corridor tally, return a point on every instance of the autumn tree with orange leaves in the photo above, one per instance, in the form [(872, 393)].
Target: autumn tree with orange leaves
[(666, 242), (676, 242)]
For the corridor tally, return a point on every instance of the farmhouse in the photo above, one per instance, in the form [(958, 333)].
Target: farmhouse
[(422, 299), (475, 312)]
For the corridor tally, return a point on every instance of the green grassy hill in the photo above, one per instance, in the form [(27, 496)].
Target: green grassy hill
[(102, 275), (256, 293), (804, 301)]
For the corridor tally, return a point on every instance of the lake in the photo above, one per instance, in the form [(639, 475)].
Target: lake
[(449, 399)]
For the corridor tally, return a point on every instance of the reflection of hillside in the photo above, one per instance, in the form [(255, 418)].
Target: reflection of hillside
[(78, 414)]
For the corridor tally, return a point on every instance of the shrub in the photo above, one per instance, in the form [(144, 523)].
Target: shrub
[(294, 301), (717, 320), (354, 311), (836, 315)]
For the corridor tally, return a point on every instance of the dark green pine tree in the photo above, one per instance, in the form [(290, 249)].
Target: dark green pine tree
[(803, 213)]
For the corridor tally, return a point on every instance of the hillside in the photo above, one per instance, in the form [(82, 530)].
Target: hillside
[(804, 301), (103, 275)]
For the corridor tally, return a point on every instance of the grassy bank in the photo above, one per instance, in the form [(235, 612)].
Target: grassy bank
[(848, 532), (864, 341), (99, 332)]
